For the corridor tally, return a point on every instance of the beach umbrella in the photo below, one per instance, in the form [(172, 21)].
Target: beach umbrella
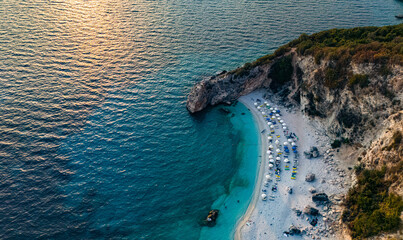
[(271, 146), (276, 109), (277, 115), (294, 147), (281, 121), (285, 143), (271, 160), (267, 176), (263, 113), (286, 160), (295, 151), (258, 107), (278, 150), (278, 158), (293, 143), (264, 196), (289, 140), (284, 128), (284, 124), (270, 165), (271, 126), (271, 108), (255, 104), (277, 142), (265, 102)]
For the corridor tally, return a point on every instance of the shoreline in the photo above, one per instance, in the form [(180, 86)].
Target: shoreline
[(271, 219), (259, 179)]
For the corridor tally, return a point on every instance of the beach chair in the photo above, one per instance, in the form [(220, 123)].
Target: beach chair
[(287, 167)]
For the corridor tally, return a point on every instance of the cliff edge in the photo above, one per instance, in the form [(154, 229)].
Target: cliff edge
[(351, 81)]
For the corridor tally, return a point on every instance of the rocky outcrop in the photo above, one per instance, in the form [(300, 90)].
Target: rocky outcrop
[(338, 109), (226, 87), (356, 99), (387, 151)]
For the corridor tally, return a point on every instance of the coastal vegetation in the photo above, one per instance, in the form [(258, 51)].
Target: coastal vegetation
[(370, 207), (281, 71), (359, 79), (380, 45)]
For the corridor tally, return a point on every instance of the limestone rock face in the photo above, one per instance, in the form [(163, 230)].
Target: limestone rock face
[(226, 88), (351, 112)]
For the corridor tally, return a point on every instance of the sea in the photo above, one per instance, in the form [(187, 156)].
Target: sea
[(95, 138)]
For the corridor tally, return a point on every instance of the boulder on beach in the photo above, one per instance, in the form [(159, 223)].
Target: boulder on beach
[(310, 177), (320, 198), (293, 230), (311, 210), (312, 190), (312, 153)]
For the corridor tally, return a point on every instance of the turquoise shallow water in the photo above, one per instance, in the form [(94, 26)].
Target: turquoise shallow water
[(95, 140)]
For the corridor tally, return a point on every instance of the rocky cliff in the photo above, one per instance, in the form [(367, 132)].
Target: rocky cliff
[(350, 80)]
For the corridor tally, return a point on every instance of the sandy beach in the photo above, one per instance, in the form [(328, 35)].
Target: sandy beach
[(272, 218)]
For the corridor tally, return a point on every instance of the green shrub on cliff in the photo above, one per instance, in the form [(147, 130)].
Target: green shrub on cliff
[(370, 208), (281, 71), (359, 79), (379, 45)]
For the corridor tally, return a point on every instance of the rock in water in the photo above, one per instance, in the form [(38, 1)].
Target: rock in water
[(320, 198), (310, 177), (311, 210)]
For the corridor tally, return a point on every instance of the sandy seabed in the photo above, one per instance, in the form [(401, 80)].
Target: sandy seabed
[(271, 218)]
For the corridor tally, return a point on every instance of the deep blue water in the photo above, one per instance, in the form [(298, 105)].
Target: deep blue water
[(95, 140)]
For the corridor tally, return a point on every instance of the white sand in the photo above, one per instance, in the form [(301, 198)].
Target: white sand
[(269, 219)]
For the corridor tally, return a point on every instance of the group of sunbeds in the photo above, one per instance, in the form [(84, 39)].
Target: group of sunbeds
[(276, 151)]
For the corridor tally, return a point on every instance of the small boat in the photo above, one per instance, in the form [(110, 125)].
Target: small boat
[(399, 16), (211, 218), (264, 130)]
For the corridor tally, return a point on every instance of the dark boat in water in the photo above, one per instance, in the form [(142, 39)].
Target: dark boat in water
[(211, 218), (399, 16)]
